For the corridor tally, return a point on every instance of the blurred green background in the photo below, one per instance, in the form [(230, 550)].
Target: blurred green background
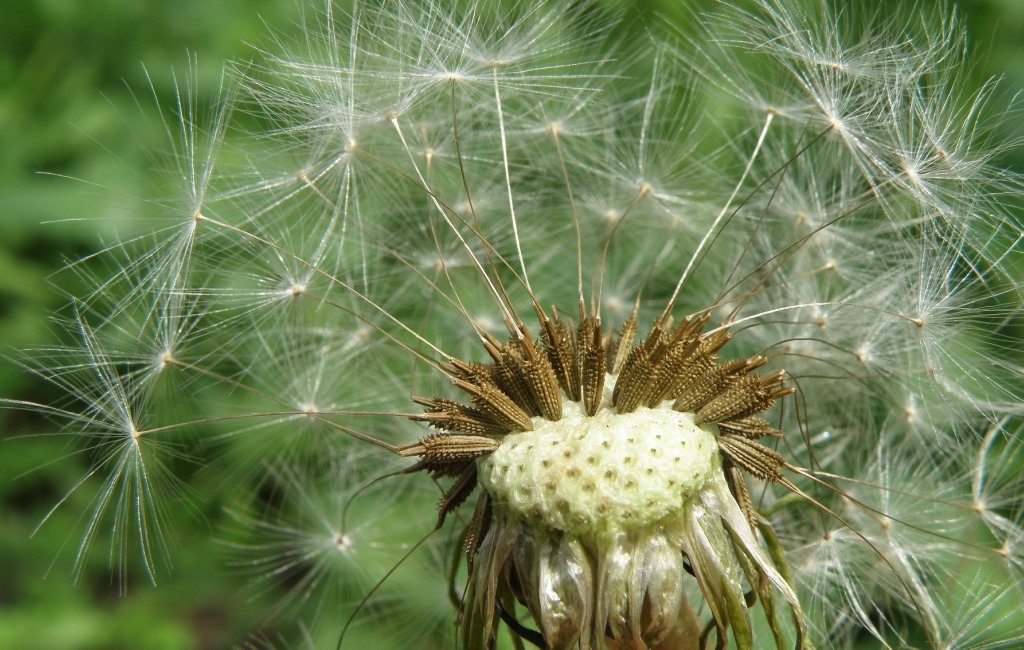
[(76, 159)]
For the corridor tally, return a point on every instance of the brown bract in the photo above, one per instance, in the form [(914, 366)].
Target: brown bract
[(675, 366)]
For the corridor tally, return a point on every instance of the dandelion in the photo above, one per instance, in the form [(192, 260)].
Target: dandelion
[(679, 375)]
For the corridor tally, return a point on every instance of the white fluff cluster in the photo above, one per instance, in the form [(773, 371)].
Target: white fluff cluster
[(412, 179)]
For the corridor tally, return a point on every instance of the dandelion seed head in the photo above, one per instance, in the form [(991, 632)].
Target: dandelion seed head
[(673, 459), (574, 267)]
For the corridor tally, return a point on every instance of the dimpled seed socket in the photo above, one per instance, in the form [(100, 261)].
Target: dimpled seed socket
[(603, 474)]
